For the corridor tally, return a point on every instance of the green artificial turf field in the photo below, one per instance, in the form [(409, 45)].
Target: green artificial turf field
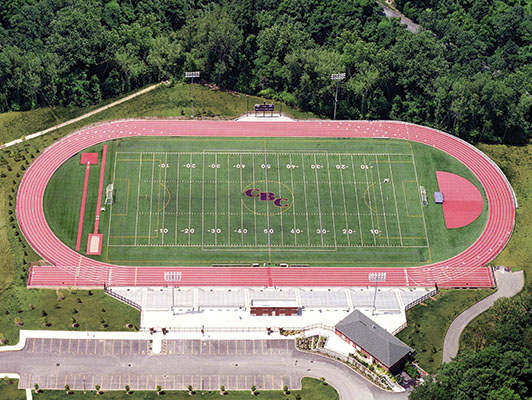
[(203, 201)]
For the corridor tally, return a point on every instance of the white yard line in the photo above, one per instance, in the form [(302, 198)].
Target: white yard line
[(254, 201), (164, 198), (345, 206), (281, 212), (190, 203), (267, 202), (319, 201), (293, 200), (228, 202), (241, 203), (177, 201), (215, 199), (111, 210), (382, 200), (305, 191), (371, 211), (357, 201), (395, 201), (331, 196), (138, 199), (151, 198), (420, 202)]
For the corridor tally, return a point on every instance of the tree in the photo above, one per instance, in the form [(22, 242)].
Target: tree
[(36, 387), (159, 390), (127, 389), (97, 387), (215, 41), (253, 390), (222, 390)]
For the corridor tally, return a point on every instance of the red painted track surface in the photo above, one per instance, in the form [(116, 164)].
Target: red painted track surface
[(82, 208), (462, 202), (72, 269)]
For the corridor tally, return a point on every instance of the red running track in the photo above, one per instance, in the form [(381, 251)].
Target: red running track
[(72, 269), (82, 208)]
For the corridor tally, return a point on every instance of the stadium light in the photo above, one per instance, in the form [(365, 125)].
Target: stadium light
[(376, 277), (337, 78), (192, 75)]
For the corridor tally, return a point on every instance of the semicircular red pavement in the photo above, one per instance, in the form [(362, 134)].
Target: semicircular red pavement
[(462, 201)]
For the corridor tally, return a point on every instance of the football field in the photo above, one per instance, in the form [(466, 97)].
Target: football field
[(264, 203)]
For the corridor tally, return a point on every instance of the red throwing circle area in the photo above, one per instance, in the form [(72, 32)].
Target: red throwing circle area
[(72, 269)]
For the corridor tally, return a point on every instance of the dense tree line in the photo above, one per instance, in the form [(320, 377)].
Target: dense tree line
[(468, 72), (501, 366)]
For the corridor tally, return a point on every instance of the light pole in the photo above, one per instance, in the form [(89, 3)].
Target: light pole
[(376, 277), (337, 78), (192, 75)]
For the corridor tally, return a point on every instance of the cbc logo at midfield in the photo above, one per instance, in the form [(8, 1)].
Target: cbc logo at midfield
[(267, 197)]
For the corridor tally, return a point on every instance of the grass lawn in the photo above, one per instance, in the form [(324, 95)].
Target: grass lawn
[(429, 321), (7, 267), (16, 124), (516, 163), (16, 254), (171, 102), (333, 190), (37, 307), (312, 389), (9, 390)]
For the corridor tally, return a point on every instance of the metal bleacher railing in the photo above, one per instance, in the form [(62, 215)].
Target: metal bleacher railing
[(121, 298)]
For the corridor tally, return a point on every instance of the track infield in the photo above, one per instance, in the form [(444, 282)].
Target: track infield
[(196, 202)]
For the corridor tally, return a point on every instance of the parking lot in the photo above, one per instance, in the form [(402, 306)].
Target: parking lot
[(169, 347), (140, 376)]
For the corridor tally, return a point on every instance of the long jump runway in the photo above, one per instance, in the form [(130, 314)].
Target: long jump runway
[(72, 269)]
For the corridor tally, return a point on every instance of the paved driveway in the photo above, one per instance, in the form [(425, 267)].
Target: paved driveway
[(204, 364)]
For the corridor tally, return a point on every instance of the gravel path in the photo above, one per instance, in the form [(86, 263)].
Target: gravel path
[(71, 121)]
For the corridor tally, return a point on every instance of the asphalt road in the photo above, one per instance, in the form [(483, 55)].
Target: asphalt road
[(390, 13), (508, 285), (204, 364)]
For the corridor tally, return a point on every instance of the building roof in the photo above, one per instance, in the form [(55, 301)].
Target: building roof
[(270, 303), (374, 339)]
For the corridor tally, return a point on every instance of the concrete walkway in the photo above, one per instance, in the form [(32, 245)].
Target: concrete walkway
[(508, 283), (81, 117)]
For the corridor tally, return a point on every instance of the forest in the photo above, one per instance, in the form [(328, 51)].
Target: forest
[(467, 71), (495, 359)]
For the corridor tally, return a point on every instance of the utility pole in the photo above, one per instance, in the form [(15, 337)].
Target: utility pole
[(376, 277), (337, 78), (192, 75)]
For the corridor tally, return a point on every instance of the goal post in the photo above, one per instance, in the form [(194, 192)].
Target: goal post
[(423, 193), (109, 194)]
